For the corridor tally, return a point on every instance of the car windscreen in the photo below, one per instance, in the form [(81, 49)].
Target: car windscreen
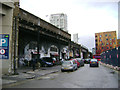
[(67, 62), (94, 60)]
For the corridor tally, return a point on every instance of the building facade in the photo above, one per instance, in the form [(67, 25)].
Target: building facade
[(118, 42), (59, 20), (105, 41), (8, 48), (118, 20), (119, 34), (93, 51), (75, 38)]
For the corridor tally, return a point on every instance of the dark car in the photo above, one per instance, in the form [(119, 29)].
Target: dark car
[(87, 61), (94, 62), (46, 61), (81, 61)]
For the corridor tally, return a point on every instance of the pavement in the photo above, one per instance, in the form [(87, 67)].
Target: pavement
[(27, 73), (111, 66)]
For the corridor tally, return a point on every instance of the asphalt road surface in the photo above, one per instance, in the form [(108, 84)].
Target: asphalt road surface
[(84, 77)]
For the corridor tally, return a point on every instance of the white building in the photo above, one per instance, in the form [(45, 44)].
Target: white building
[(118, 20), (93, 51), (75, 38), (119, 34), (59, 20)]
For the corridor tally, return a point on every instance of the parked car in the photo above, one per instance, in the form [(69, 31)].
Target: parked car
[(54, 61), (46, 61), (87, 61), (94, 62), (80, 60), (78, 64), (69, 65)]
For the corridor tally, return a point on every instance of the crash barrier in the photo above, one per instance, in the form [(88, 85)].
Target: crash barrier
[(111, 57)]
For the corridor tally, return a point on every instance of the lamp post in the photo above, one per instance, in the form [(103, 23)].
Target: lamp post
[(15, 36), (38, 38), (38, 45)]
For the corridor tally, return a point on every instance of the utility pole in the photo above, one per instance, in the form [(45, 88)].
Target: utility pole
[(15, 36), (38, 39), (38, 45)]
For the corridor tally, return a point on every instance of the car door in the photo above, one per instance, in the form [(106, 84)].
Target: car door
[(75, 64)]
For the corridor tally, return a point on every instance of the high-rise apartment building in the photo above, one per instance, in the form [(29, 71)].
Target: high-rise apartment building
[(105, 41), (118, 20), (119, 34), (75, 38), (59, 20), (93, 51)]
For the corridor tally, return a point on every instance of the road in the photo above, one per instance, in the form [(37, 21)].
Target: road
[(84, 77)]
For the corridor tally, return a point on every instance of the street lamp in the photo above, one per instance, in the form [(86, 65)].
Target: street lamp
[(15, 36), (38, 40)]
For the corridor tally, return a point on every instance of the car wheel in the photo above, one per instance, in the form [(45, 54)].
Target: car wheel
[(73, 69), (45, 65), (62, 70), (77, 68)]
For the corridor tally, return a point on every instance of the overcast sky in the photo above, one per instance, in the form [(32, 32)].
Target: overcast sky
[(85, 18)]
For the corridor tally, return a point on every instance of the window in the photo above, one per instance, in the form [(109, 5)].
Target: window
[(96, 40), (107, 47), (107, 44), (100, 40), (107, 39), (96, 45), (100, 35), (110, 39), (110, 43), (106, 35), (109, 34)]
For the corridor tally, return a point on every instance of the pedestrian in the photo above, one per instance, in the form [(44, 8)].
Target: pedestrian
[(33, 63)]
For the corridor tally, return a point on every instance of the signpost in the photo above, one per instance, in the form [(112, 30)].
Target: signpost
[(4, 46)]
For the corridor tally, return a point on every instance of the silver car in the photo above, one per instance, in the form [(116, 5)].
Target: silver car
[(69, 65)]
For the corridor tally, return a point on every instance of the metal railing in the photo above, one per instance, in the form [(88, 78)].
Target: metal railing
[(111, 57)]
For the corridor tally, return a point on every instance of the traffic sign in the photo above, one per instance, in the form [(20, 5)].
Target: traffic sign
[(4, 46), (2, 51)]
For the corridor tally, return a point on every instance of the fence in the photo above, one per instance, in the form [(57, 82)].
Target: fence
[(111, 57)]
